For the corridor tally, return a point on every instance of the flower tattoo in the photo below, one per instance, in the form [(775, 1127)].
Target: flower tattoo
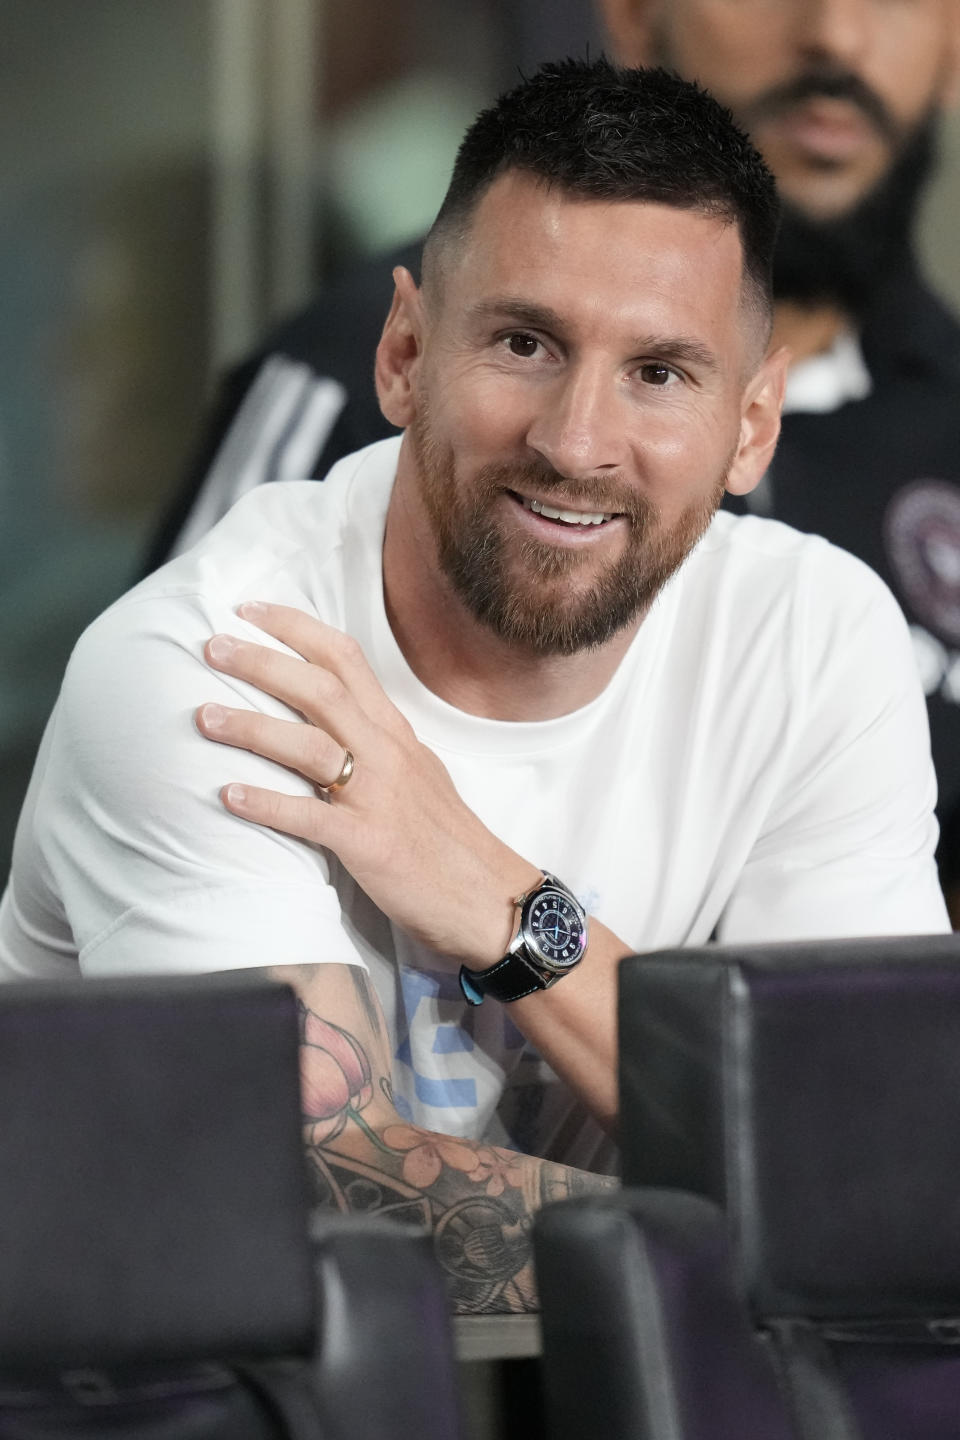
[(426, 1154), (337, 1085), (335, 1077)]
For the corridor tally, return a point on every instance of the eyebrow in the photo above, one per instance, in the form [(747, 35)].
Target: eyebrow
[(524, 312), (680, 348)]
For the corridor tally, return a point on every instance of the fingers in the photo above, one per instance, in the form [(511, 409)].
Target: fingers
[(330, 649), (310, 751), (317, 693), (291, 814), (329, 825)]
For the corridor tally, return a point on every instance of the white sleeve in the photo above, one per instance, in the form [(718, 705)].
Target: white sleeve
[(153, 873), (847, 846)]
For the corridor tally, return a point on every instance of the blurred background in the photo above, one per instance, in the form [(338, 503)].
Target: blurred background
[(177, 174)]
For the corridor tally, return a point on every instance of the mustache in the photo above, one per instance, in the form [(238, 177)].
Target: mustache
[(608, 497), (826, 84)]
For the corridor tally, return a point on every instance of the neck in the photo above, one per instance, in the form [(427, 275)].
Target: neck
[(462, 660), (807, 330)]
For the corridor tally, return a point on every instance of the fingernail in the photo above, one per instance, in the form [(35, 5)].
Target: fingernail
[(252, 610), (221, 647), (236, 794), (213, 716)]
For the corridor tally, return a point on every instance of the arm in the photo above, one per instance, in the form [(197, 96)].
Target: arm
[(402, 831), (157, 877), (478, 1199)]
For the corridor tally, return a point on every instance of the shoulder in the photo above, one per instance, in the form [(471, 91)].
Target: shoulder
[(282, 534), (764, 588), (765, 552), (290, 542)]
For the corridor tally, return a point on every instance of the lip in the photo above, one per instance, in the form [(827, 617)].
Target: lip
[(826, 130), (555, 532)]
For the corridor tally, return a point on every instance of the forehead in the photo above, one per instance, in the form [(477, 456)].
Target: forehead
[(622, 267)]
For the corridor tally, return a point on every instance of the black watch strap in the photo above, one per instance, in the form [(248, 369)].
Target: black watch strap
[(510, 979)]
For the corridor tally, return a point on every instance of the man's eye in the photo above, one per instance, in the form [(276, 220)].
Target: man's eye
[(522, 344), (655, 374)]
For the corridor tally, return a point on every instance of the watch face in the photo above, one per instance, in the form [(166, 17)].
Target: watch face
[(556, 928)]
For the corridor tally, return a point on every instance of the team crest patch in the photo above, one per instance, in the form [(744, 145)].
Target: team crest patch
[(922, 536)]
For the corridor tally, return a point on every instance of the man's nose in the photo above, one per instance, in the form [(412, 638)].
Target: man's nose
[(836, 30), (579, 426)]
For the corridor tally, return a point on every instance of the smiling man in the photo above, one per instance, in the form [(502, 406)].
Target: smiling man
[(843, 98), (505, 698)]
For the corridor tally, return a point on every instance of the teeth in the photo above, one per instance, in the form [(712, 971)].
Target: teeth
[(569, 517)]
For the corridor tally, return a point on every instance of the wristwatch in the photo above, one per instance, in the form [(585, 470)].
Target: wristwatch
[(550, 941)]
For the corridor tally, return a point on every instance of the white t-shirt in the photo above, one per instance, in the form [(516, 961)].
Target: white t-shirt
[(758, 769)]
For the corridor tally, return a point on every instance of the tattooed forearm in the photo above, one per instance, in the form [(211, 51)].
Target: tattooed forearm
[(478, 1199)]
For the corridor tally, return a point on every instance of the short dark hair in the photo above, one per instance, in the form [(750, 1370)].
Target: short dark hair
[(602, 132)]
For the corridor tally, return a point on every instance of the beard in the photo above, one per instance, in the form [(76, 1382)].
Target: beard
[(846, 260), (547, 599)]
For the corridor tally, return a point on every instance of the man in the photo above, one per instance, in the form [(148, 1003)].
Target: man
[(514, 645), (841, 96)]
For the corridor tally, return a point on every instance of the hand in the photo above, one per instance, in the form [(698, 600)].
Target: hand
[(398, 825)]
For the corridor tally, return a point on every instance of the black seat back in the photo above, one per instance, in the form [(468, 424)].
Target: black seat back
[(812, 1091), (810, 1094), (148, 1130), (161, 1274)]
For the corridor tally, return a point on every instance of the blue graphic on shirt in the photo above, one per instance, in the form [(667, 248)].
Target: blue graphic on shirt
[(448, 1093), (420, 985), (453, 1035), (451, 1038)]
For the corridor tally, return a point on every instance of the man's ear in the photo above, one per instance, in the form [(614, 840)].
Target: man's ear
[(399, 351), (759, 423), (629, 24)]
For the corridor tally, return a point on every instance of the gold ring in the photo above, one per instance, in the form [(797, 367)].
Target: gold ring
[(346, 770)]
